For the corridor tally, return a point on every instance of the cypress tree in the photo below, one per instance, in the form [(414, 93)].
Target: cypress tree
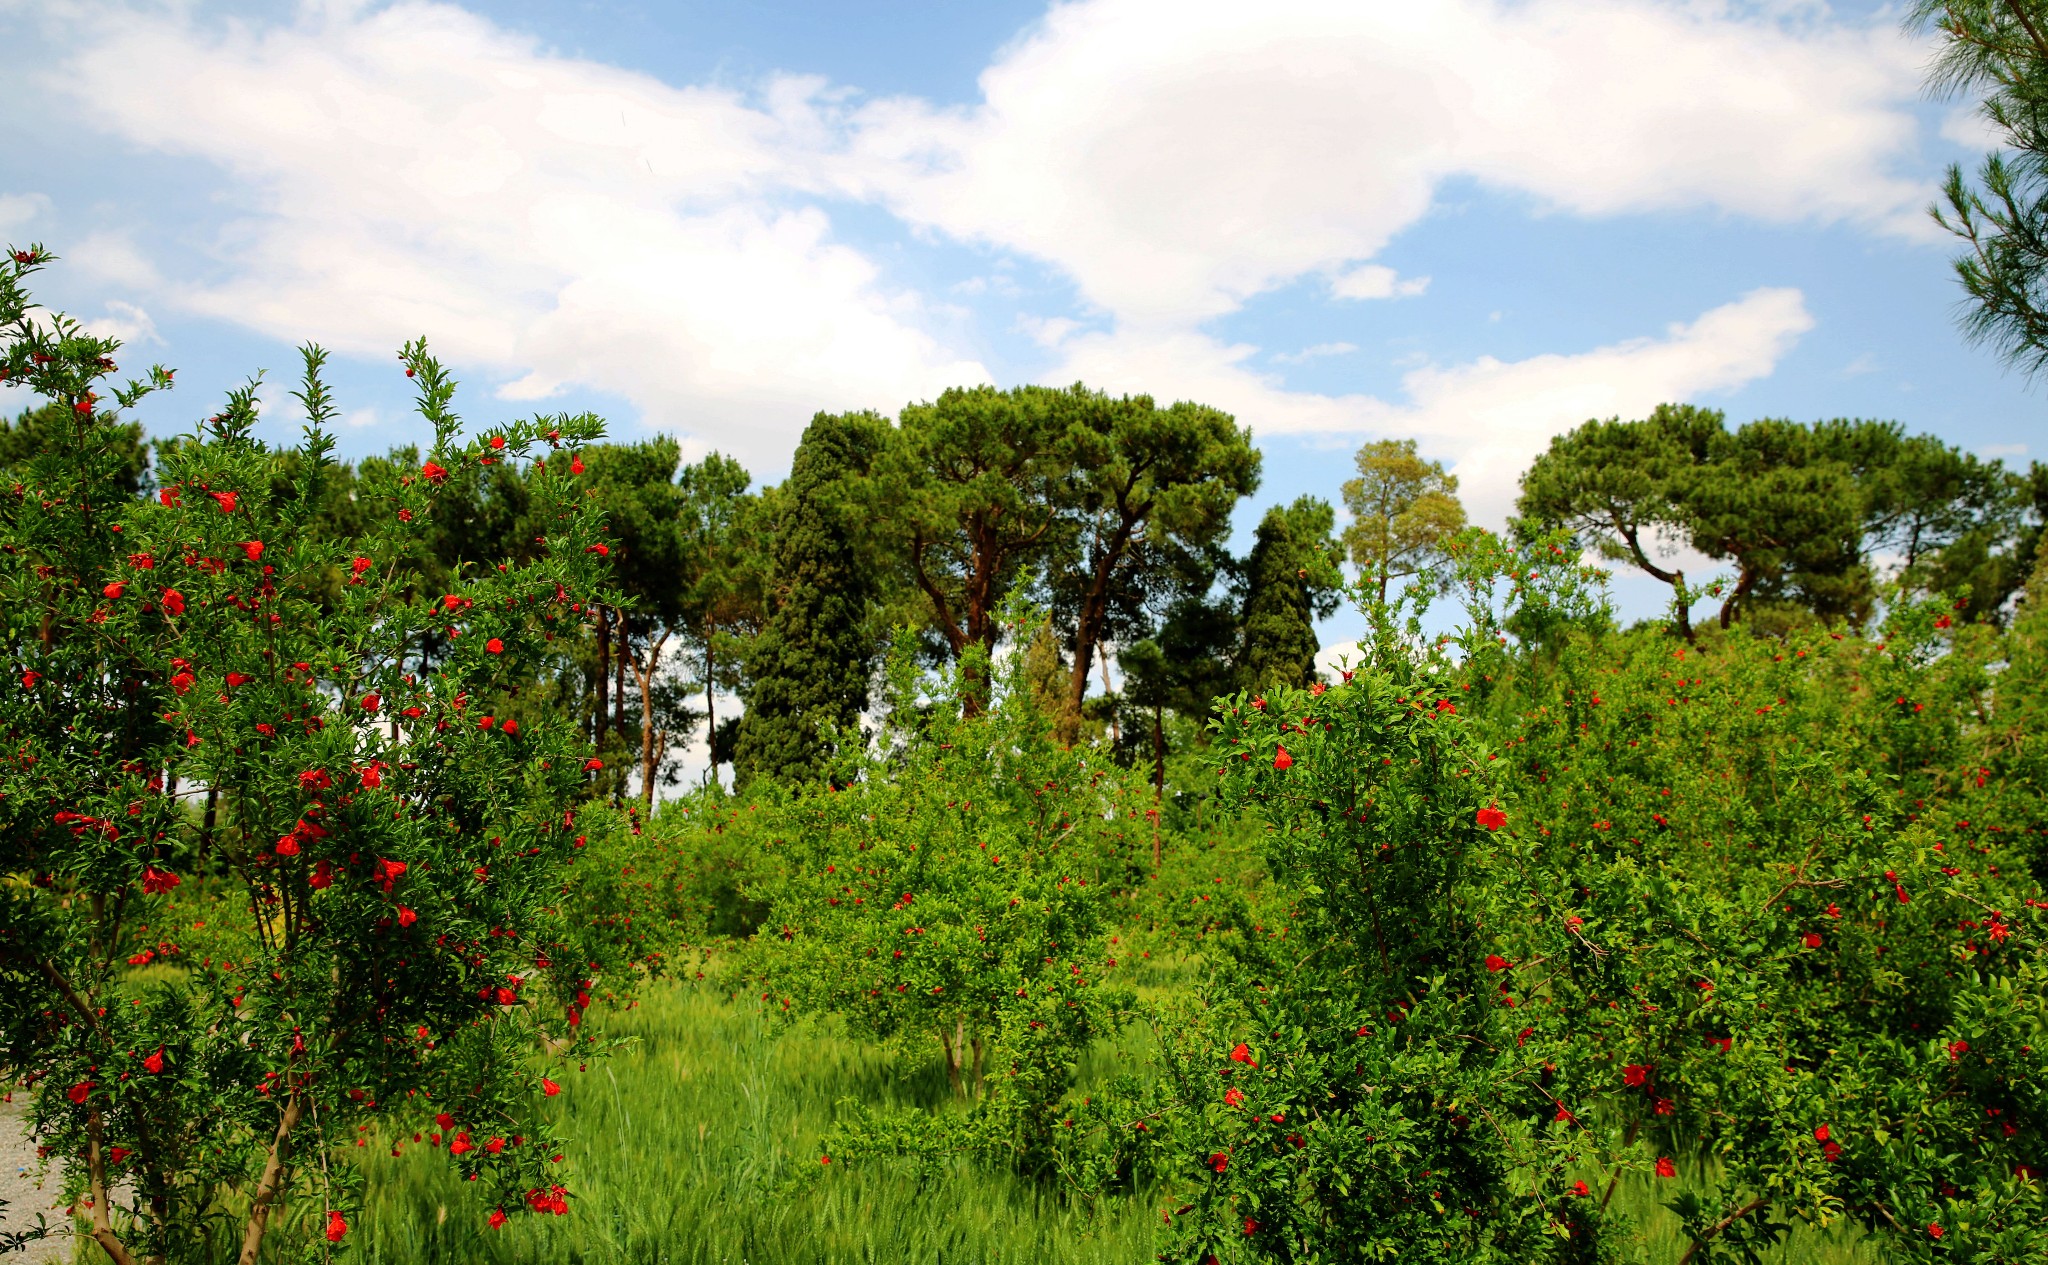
[(1291, 579), (811, 664)]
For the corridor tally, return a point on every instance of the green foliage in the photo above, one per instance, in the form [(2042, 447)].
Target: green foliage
[(1291, 580), (1404, 511), (811, 664), (938, 890), (391, 945), (1801, 512), (1997, 51)]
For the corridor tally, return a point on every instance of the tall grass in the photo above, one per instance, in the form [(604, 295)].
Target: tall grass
[(701, 1141)]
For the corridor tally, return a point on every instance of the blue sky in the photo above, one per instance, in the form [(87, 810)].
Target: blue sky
[(1469, 222)]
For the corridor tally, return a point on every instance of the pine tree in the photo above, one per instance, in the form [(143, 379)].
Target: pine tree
[(811, 664), (1291, 580)]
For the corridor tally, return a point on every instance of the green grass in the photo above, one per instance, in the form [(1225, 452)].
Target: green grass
[(700, 1143)]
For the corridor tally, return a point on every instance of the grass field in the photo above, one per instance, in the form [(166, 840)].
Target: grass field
[(699, 1143)]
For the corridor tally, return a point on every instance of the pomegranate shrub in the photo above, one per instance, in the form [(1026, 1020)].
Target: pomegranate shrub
[(382, 859)]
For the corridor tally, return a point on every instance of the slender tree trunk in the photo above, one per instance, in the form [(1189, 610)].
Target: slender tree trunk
[(643, 674), (1744, 581), (272, 1182), (604, 672), (624, 656), (975, 1080), (96, 1178), (946, 1043), (711, 705), (1116, 733), (1158, 754), (206, 822), (1680, 600)]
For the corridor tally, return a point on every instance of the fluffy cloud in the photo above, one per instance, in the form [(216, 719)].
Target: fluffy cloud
[(416, 169), (1488, 417), (565, 224), (1177, 156)]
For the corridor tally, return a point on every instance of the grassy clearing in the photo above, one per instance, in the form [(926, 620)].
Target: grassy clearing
[(700, 1143)]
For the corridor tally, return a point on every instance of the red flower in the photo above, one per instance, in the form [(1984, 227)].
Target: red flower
[(168, 498), (495, 646), (406, 917), (445, 1120), (359, 566), (322, 876), (155, 882), (174, 602), (1250, 1226), (226, 501), (1495, 962), (1957, 1049), (1634, 1074), (77, 1093), (370, 702), (1219, 1161), (288, 846), (238, 678), (336, 1227), (373, 777), (182, 682), (113, 591), (1233, 1096), (592, 765), (549, 1088), (602, 551), (510, 727), (388, 872), (29, 679), (1665, 1168), (1820, 1133), (824, 1159), (434, 472), (495, 1145), (1283, 761), (498, 1217), (1579, 1189), (461, 1144), (1242, 1054), (1564, 1115), (498, 442), (315, 780), (252, 549), (1812, 939), (1934, 1229), (155, 1062), (1491, 817), (576, 465)]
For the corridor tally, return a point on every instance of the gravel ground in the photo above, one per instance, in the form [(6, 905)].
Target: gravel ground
[(24, 1197)]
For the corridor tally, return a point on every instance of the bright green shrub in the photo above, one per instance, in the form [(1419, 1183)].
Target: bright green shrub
[(933, 894), (383, 938)]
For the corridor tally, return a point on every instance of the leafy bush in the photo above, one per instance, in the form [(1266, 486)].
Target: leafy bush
[(387, 856), (935, 891)]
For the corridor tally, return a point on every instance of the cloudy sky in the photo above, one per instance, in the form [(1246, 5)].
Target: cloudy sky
[(1469, 222)]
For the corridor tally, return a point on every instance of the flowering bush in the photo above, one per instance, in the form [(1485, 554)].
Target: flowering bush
[(1581, 904), (363, 927), (933, 893)]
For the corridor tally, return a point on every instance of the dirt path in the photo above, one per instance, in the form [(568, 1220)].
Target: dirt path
[(24, 1197)]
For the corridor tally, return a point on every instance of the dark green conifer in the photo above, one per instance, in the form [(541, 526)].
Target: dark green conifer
[(812, 662), (1291, 580)]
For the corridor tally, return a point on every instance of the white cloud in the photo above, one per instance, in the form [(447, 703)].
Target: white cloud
[(1307, 354), (1376, 281), (415, 169), (1177, 156), (126, 322), (19, 210), (1488, 417)]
